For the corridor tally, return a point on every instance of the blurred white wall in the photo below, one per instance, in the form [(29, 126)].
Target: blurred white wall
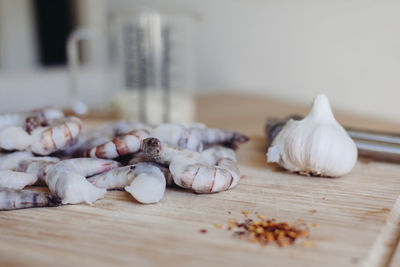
[(348, 49), (17, 35), (290, 49)]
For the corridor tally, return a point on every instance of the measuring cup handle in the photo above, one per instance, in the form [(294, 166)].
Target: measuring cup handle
[(81, 34)]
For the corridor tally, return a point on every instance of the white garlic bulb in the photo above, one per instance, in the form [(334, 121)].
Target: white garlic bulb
[(316, 145)]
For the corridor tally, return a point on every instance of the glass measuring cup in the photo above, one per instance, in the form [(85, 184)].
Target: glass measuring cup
[(148, 64)]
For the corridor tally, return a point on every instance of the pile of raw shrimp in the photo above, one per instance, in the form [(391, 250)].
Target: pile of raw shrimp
[(45, 148)]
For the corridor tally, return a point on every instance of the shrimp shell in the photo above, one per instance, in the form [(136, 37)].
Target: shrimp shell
[(10, 161), (178, 135), (19, 118), (215, 136), (139, 157), (118, 178), (16, 180), (15, 137), (126, 126), (11, 199), (89, 139), (211, 174), (67, 179), (119, 146), (196, 137), (56, 136), (36, 167), (210, 171)]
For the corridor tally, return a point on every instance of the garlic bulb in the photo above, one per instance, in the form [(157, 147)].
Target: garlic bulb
[(316, 145)]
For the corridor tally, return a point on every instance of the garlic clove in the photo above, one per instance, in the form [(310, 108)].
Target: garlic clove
[(316, 145)]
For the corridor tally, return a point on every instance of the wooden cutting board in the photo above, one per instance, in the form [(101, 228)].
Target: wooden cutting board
[(349, 211)]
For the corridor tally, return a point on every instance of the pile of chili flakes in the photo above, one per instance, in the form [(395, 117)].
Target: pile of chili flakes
[(267, 231)]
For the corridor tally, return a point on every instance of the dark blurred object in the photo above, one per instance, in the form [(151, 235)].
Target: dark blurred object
[(54, 23)]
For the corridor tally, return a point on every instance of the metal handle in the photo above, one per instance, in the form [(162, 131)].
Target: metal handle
[(377, 145)]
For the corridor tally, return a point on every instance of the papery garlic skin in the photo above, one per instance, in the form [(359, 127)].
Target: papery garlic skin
[(316, 145)]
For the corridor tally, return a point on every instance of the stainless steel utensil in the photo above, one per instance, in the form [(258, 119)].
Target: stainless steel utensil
[(377, 145)]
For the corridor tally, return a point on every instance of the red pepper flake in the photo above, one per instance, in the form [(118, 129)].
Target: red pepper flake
[(314, 224), (265, 231), (219, 226), (203, 231)]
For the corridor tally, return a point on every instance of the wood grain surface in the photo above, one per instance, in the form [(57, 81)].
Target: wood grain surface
[(349, 211)]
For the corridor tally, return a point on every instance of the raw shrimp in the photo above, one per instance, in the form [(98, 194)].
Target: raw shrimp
[(36, 167), (212, 170), (58, 135), (11, 199), (11, 161), (15, 128), (120, 177), (15, 138), (42, 140), (89, 139), (16, 180), (215, 136), (142, 157), (67, 179), (196, 137), (17, 170), (119, 146), (178, 135), (145, 181), (20, 119), (126, 126)]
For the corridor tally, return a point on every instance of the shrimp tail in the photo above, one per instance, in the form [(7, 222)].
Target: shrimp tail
[(23, 199), (240, 138), (237, 138), (54, 201), (159, 151)]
